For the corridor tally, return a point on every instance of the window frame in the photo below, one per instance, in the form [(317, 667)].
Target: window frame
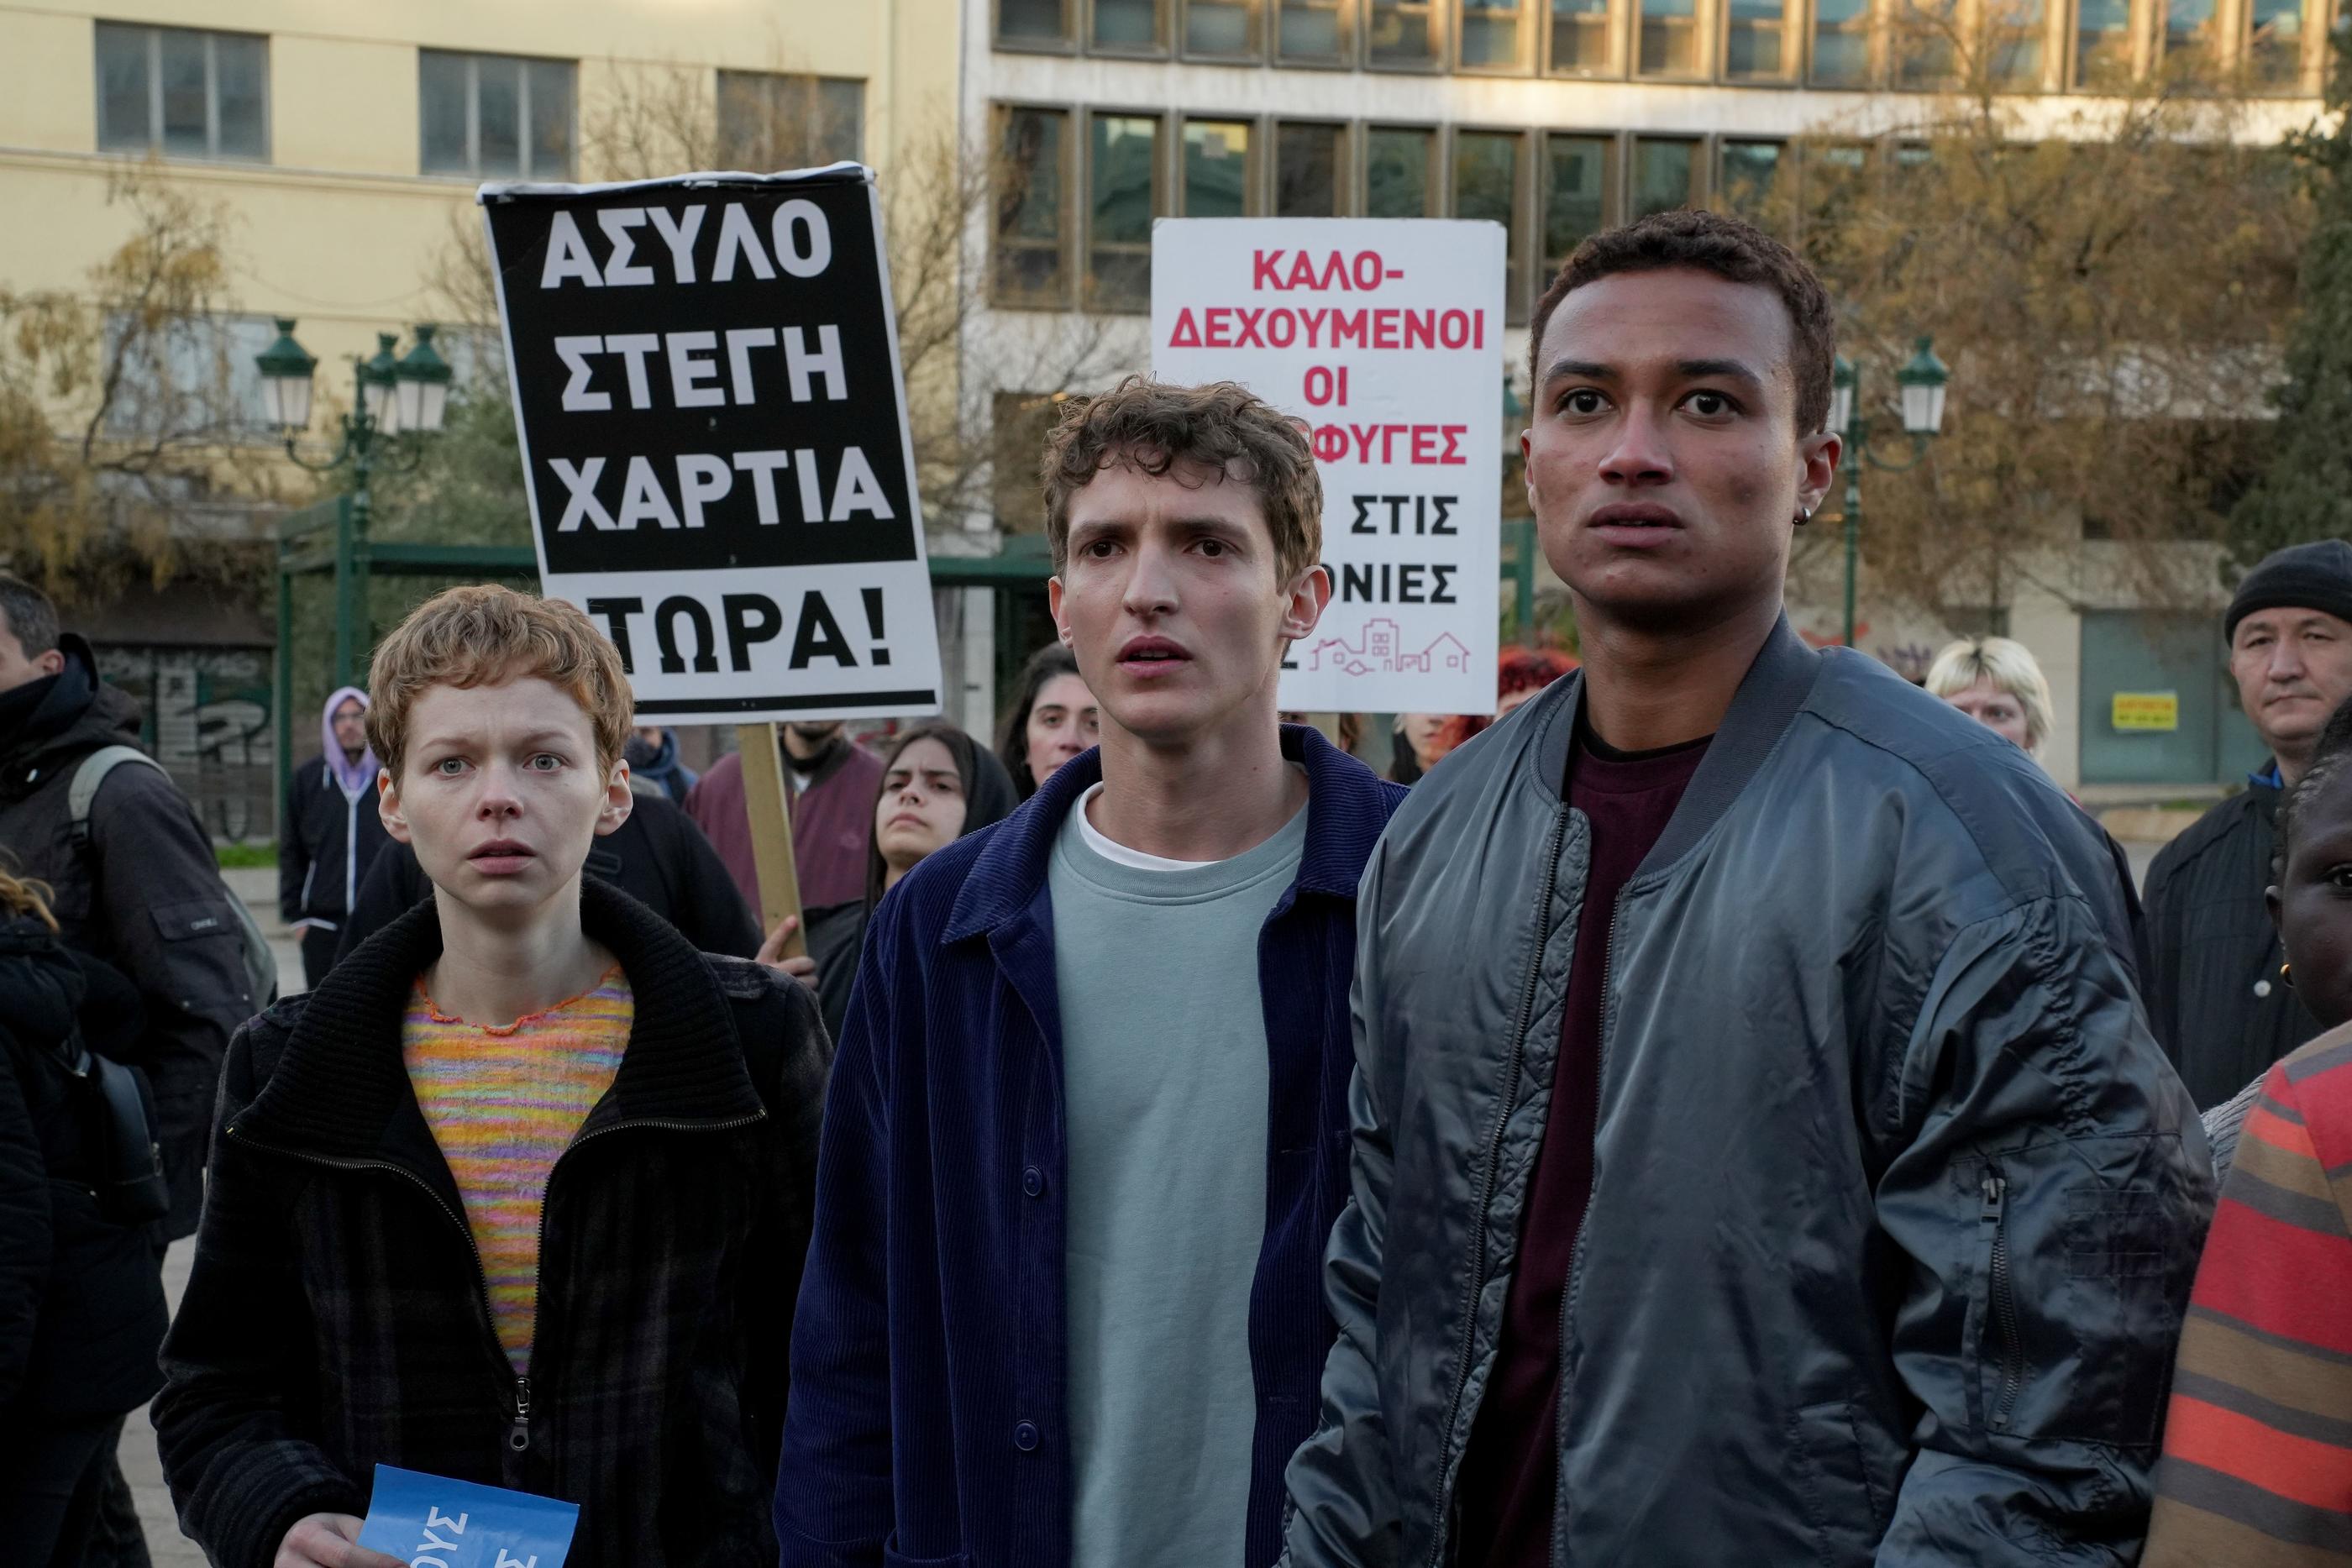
[(2134, 52), (1873, 51), (1795, 14), (1703, 27), (1163, 181), (2315, 22), (527, 169), (1619, 64), (1436, 169), (812, 83), (1530, 13), (1517, 303), (1613, 188), (1256, 182), (1702, 158), (1438, 63), (1163, 17), (1067, 43), (150, 37), (1351, 45), (1258, 13), (1345, 179), (1719, 186), (1065, 296)]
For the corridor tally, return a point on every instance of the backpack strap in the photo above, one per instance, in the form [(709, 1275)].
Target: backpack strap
[(83, 792)]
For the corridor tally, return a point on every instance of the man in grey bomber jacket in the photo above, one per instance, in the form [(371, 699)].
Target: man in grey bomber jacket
[(1760, 1153)]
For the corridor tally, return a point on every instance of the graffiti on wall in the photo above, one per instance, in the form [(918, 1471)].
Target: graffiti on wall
[(205, 713)]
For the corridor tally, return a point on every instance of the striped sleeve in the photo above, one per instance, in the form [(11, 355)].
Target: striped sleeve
[(2257, 1465)]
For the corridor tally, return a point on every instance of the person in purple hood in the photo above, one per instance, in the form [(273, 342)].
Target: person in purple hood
[(329, 834)]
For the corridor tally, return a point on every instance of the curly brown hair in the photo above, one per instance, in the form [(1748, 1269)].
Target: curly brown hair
[(1732, 250), (1221, 427)]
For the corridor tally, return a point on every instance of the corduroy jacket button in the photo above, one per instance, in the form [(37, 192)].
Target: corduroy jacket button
[(1033, 1182), (1024, 1438)]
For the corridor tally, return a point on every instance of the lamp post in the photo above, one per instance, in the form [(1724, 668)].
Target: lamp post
[(408, 395), (1923, 382)]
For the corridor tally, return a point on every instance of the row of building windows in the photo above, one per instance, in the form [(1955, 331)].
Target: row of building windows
[(185, 93), (2265, 46), (1078, 188)]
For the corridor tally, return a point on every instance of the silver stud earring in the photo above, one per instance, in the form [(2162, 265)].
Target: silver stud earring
[(1804, 515)]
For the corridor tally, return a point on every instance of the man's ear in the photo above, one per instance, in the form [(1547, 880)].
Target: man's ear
[(1054, 593), (1820, 456), (619, 799), (2271, 902), (387, 807), (52, 662), (1303, 604)]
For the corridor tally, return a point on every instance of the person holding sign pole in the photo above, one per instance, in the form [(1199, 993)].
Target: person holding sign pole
[(518, 1195), (1083, 1137), (1761, 1152)]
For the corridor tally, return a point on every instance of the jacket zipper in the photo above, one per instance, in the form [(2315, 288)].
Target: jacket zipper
[(518, 1431), (1515, 1067), (2004, 1299), (1583, 1232)]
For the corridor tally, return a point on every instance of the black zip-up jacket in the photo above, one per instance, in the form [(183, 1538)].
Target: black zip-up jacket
[(325, 845), (81, 1301), (657, 856), (1894, 1202), (2209, 956), (146, 897), (336, 1316)]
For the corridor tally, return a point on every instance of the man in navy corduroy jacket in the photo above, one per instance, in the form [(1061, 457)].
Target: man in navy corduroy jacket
[(1087, 1128)]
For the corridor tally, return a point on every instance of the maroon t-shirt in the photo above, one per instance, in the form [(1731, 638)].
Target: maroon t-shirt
[(1508, 1476)]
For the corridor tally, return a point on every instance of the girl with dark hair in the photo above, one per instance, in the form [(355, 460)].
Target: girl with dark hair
[(938, 785), (1054, 719), (2257, 1467)]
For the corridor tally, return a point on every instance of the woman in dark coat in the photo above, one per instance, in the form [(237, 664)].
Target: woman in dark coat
[(81, 1301), (836, 934)]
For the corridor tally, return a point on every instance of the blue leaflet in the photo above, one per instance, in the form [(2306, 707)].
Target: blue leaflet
[(428, 1521)]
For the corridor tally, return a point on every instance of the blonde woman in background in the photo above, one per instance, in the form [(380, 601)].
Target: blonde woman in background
[(1997, 682)]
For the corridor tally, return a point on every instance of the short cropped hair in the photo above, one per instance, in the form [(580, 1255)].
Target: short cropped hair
[(2328, 757), (484, 635), (31, 617), (1222, 426), (1732, 250), (2010, 666)]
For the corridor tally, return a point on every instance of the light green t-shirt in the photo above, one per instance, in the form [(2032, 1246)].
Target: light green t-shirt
[(1164, 1079)]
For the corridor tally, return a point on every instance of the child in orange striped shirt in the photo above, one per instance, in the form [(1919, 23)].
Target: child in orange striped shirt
[(2257, 1467), (518, 1195)]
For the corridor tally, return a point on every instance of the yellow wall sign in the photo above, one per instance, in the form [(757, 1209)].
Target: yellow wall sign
[(2148, 712)]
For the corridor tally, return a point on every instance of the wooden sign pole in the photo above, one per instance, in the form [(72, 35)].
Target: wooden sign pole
[(761, 746)]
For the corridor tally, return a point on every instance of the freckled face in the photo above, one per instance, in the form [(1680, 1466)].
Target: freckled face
[(1664, 462)]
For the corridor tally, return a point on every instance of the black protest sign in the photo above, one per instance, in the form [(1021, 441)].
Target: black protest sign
[(706, 387)]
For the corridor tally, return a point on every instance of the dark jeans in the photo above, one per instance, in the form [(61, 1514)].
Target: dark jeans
[(318, 955), (52, 1476)]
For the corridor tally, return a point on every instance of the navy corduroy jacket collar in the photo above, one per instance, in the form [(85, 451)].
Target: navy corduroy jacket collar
[(1346, 806)]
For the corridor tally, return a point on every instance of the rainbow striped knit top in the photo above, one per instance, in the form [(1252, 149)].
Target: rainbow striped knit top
[(503, 1101)]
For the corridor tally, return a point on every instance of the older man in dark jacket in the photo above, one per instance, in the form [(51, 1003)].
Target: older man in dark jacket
[(144, 893), (1760, 1155)]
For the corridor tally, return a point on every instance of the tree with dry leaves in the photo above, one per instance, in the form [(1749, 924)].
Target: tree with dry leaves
[(2111, 289), (118, 416)]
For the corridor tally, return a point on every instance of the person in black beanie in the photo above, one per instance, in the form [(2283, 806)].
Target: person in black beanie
[(2209, 954)]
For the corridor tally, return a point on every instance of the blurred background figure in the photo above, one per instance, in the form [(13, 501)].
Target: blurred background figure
[(1997, 682), (331, 834), (830, 782), (81, 1303), (938, 784), (1519, 673), (654, 763), (1052, 719), (1419, 740)]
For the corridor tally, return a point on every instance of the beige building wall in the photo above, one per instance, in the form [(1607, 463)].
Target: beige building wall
[(339, 227)]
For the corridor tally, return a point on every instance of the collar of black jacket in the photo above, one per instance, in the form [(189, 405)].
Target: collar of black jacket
[(61, 713), (1770, 694), (339, 1089), (1345, 813)]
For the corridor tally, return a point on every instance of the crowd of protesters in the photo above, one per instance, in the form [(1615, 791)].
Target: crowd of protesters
[(1733, 1106)]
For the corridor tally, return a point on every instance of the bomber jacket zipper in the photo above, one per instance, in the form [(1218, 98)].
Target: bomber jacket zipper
[(518, 1425), (1487, 1178), (2003, 1304)]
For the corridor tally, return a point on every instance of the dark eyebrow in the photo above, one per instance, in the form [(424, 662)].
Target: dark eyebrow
[(1584, 369), (1730, 369)]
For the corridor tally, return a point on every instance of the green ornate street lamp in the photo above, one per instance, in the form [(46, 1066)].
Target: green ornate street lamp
[(1923, 382), (408, 395)]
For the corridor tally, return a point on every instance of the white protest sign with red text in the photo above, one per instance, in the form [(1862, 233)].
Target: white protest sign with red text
[(1384, 338)]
